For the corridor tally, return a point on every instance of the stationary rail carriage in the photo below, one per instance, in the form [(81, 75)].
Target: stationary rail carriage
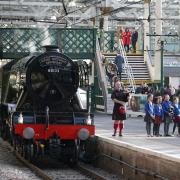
[(43, 108)]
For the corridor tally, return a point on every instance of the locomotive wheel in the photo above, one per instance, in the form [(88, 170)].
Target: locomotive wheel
[(24, 151), (14, 144), (28, 152), (73, 160), (21, 150), (31, 152)]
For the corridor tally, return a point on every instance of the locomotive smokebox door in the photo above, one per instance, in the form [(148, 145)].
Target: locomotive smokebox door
[(52, 77)]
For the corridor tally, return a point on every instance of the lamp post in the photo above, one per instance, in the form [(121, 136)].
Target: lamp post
[(162, 64), (162, 43)]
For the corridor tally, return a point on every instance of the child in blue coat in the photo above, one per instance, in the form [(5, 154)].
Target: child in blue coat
[(176, 119), (158, 112), (168, 114), (149, 116)]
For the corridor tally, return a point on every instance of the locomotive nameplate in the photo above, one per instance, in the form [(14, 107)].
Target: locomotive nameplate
[(54, 61)]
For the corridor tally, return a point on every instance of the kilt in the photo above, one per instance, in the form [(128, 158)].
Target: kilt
[(118, 116), (158, 120)]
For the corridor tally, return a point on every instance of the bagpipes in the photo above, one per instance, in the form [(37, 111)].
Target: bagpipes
[(125, 98), (122, 110)]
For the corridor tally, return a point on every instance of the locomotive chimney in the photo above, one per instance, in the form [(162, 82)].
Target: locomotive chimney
[(51, 48)]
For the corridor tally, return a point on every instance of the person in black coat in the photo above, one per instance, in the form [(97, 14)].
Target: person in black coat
[(119, 61), (134, 39)]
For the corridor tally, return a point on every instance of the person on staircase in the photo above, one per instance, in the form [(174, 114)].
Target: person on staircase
[(111, 72), (119, 61), (119, 97), (134, 39), (126, 39), (119, 36)]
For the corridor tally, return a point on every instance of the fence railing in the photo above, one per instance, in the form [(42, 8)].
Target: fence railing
[(19, 42)]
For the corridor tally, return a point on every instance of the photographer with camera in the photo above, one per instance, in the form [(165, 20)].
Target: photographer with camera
[(168, 114), (176, 115)]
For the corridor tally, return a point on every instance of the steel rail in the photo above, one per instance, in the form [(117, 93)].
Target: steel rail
[(42, 174), (90, 173), (32, 167)]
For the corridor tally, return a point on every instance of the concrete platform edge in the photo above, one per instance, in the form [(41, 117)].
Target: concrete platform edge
[(138, 148)]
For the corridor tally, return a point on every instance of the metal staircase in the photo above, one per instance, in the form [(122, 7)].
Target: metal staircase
[(138, 66), (102, 77)]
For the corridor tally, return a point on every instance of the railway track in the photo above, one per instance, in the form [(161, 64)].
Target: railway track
[(64, 172), (59, 171)]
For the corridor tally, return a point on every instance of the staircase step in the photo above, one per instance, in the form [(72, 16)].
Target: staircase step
[(131, 60), (138, 81), (140, 71), (138, 65), (137, 74), (137, 78), (140, 77)]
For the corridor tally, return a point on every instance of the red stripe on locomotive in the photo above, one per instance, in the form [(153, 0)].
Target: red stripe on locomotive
[(63, 131)]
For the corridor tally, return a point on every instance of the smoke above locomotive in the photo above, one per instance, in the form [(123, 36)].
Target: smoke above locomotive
[(44, 79)]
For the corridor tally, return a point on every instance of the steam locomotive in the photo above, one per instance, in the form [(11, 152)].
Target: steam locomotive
[(43, 110)]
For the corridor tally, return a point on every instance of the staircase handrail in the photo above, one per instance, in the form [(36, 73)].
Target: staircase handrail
[(128, 68), (101, 73), (149, 56), (150, 63)]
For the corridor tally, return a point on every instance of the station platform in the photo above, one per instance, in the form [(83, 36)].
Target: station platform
[(135, 138)]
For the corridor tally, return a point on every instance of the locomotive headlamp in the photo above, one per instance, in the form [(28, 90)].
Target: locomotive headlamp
[(83, 134), (28, 133), (89, 120)]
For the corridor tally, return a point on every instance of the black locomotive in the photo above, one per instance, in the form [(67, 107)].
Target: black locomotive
[(43, 110)]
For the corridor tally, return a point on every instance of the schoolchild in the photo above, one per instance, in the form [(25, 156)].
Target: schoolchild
[(176, 118), (168, 114), (149, 113), (119, 97), (158, 112)]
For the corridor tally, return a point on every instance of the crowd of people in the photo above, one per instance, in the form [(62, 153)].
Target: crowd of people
[(129, 38), (144, 88), (161, 107), (161, 110)]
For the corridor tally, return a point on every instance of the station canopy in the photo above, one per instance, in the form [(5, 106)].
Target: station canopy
[(64, 13)]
